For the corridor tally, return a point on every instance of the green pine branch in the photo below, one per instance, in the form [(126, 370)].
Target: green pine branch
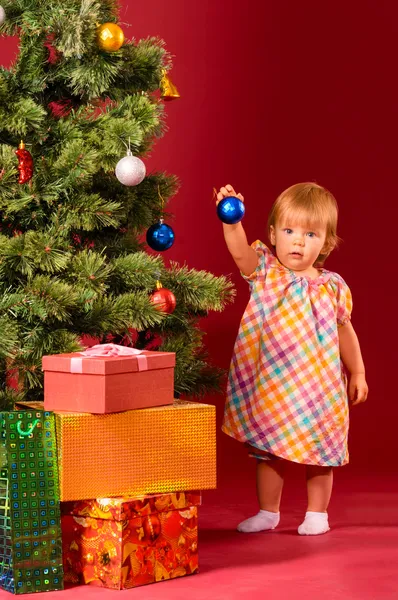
[(200, 290)]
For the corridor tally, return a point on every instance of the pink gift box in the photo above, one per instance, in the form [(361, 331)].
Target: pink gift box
[(105, 384)]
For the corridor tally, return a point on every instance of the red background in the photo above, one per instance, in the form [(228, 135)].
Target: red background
[(274, 93)]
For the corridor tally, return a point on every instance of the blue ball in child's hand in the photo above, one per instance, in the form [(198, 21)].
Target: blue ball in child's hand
[(230, 210)]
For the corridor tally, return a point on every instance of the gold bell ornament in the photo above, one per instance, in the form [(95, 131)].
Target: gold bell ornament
[(168, 89), (110, 37)]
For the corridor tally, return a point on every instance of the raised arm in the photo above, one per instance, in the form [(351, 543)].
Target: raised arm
[(244, 256)]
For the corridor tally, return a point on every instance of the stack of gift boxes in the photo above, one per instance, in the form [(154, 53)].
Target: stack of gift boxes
[(99, 485)]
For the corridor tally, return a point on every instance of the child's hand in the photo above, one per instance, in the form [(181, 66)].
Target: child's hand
[(228, 190), (357, 389)]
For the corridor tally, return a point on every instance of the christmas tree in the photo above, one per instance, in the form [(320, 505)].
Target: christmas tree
[(73, 260)]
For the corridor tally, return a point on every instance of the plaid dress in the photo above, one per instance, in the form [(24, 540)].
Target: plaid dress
[(287, 386)]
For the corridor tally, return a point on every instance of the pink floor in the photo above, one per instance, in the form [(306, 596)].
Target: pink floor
[(357, 560)]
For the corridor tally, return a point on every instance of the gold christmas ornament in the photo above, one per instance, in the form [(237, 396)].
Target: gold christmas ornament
[(168, 89), (110, 37)]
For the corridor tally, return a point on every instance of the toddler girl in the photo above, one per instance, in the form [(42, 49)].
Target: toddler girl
[(287, 393)]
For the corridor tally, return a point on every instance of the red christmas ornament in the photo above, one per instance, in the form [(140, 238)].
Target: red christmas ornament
[(25, 165), (163, 299)]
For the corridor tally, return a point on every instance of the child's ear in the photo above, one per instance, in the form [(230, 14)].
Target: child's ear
[(272, 234)]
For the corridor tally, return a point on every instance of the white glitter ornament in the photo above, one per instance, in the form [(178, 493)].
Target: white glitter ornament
[(130, 170), (2, 15)]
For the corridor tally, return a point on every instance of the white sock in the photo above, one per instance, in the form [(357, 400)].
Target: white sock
[(260, 522), (314, 523)]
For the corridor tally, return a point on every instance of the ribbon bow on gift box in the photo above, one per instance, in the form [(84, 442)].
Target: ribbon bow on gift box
[(105, 350), (110, 350)]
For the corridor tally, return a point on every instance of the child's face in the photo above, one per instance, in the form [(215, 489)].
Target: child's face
[(297, 247)]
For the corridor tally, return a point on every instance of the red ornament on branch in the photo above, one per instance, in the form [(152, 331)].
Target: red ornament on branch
[(25, 164), (163, 299)]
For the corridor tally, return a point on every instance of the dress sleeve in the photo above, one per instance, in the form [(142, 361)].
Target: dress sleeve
[(344, 302), (264, 258)]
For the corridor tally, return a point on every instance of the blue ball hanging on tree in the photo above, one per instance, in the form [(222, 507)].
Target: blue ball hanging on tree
[(230, 210), (160, 236)]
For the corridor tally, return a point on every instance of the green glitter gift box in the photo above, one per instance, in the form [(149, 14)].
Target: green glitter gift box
[(30, 526)]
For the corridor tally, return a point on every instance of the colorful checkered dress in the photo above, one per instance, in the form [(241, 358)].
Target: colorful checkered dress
[(287, 387)]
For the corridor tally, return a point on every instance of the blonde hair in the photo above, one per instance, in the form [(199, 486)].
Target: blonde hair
[(311, 205)]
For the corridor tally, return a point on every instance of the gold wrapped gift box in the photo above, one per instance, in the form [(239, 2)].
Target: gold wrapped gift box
[(146, 451)]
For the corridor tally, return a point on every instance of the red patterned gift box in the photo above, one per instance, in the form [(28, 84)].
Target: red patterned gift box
[(105, 384), (122, 543)]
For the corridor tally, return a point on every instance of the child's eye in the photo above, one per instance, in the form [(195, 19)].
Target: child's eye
[(287, 230), (311, 234)]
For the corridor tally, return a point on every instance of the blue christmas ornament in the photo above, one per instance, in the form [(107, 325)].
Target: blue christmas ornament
[(230, 210), (160, 236)]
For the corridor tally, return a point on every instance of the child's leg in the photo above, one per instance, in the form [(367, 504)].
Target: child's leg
[(319, 487), (319, 490), (269, 477)]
